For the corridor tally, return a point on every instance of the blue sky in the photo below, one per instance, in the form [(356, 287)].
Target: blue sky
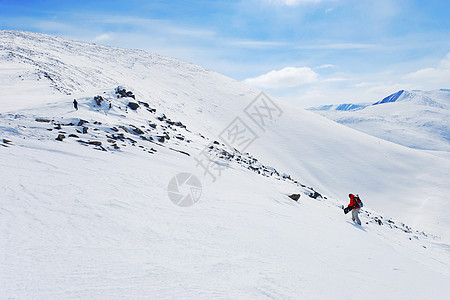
[(308, 52)]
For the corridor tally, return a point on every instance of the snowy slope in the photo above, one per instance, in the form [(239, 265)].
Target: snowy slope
[(89, 216), (415, 119)]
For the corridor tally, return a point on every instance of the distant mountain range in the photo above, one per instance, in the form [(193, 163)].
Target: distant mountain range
[(416, 119)]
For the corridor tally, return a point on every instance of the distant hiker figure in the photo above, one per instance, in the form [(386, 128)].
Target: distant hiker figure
[(75, 104), (354, 205)]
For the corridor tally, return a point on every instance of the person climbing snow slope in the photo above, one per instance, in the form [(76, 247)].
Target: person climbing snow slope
[(354, 205)]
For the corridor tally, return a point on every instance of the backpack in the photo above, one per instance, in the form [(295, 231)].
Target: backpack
[(358, 201)]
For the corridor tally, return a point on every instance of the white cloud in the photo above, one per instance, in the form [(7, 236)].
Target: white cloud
[(287, 77), (102, 38), (326, 66), (433, 77), (336, 79), (258, 44)]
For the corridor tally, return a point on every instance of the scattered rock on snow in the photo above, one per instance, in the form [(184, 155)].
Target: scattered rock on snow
[(145, 104), (60, 137), (137, 130), (96, 143), (122, 93), (42, 120), (81, 122), (294, 197), (124, 128), (315, 195), (98, 100), (133, 105)]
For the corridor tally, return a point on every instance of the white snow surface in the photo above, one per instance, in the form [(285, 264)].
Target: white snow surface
[(416, 119), (79, 222)]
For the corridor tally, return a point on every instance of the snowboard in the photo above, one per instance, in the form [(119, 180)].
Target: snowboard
[(347, 209)]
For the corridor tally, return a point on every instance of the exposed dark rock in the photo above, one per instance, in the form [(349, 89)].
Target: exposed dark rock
[(182, 152), (114, 129), (81, 122), (286, 176), (58, 126), (98, 100), (100, 148), (60, 137), (130, 94), (294, 197), (73, 135), (315, 195), (85, 129), (8, 142), (124, 128), (133, 105), (137, 130), (146, 138), (177, 123), (124, 93), (96, 143), (131, 140), (145, 104), (152, 125), (42, 120)]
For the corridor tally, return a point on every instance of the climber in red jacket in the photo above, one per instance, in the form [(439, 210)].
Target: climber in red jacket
[(355, 205)]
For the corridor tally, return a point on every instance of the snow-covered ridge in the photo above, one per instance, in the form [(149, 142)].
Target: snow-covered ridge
[(72, 66), (342, 107), (415, 119), (439, 98), (120, 120)]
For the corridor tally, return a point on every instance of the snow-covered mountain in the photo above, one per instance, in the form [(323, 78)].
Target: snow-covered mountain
[(415, 119), (340, 107), (86, 208)]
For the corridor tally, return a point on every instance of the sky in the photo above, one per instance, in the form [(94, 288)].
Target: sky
[(308, 52)]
